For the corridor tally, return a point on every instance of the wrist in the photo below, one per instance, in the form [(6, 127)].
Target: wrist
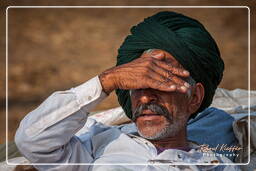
[(107, 83)]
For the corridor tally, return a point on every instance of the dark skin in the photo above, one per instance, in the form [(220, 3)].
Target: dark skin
[(157, 77)]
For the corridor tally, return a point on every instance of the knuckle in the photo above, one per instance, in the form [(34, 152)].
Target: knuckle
[(148, 63), (146, 69), (167, 80), (179, 71), (170, 67), (169, 75), (145, 72)]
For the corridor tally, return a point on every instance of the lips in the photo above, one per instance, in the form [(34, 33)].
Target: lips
[(149, 114), (150, 111), (153, 114)]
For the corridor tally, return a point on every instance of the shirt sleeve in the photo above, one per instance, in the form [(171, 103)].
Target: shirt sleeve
[(47, 134)]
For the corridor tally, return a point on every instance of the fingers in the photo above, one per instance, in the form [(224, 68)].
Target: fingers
[(162, 86), (156, 64), (177, 71), (150, 73), (162, 83), (163, 75), (182, 86), (159, 56)]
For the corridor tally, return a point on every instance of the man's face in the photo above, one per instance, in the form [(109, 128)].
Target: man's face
[(160, 114)]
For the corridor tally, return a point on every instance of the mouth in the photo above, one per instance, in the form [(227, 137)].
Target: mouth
[(151, 112), (148, 112), (151, 116)]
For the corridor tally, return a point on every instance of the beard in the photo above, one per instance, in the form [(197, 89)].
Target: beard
[(169, 127), (168, 130)]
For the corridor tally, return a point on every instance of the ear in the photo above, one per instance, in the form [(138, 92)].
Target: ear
[(196, 98)]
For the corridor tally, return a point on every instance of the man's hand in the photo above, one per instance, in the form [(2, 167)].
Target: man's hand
[(145, 72)]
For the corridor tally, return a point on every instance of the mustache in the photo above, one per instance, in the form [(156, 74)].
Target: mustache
[(155, 108)]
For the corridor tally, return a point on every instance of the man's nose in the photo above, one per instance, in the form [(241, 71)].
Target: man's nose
[(146, 96)]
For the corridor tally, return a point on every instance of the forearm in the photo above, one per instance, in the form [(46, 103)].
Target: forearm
[(52, 125)]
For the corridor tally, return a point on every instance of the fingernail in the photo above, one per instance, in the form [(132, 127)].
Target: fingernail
[(185, 72), (173, 87), (148, 51), (156, 54), (187, 84), (183, 88)]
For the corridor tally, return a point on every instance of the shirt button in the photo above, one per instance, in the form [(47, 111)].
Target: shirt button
[(151, 162), (89, 97), (214, 161)]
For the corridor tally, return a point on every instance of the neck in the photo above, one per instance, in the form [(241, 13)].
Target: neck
[(176, 142)]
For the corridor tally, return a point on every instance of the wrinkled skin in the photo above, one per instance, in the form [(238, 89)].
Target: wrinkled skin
[(157, 77)]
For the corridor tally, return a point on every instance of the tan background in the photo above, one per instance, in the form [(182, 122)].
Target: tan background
[(56, 49)]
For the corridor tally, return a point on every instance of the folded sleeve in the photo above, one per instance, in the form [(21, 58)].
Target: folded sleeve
[(47, 134)]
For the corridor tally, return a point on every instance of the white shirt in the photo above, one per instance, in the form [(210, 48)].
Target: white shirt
[(47, 135)]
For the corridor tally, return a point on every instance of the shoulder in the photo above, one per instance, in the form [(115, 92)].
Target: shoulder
[(211, 113)]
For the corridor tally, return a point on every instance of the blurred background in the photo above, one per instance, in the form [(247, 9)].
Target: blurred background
[(53, 49)]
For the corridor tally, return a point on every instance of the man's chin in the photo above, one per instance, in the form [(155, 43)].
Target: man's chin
[(151, 130), (151, 135)]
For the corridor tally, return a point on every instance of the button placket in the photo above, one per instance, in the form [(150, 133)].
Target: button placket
[(148, 145)]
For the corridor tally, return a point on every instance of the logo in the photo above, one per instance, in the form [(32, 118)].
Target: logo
[(220, 150)]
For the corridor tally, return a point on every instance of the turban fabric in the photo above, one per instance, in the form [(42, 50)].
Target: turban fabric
[(186, 40)]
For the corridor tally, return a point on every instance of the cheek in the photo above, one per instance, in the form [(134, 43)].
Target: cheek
[(133, 102), (177, 105)]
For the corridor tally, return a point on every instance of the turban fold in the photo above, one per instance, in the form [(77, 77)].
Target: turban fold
[(188, 42)]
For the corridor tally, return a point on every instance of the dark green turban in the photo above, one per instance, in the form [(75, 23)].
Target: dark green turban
[(183, 37)]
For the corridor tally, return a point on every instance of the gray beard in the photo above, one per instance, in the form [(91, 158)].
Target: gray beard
[(170, 130)]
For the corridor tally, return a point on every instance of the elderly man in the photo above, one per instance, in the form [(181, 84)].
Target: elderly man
[(160, 90)]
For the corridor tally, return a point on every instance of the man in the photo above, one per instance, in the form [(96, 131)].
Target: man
[(160, 90)]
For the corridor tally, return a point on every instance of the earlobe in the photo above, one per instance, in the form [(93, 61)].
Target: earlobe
[(196, 98)]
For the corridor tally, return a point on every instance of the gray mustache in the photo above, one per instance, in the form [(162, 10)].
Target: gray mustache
[(155, 108)]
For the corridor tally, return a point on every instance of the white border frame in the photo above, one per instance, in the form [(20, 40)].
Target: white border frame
[(249, 81)]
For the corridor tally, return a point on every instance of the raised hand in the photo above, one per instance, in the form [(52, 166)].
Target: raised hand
[(146, 72)]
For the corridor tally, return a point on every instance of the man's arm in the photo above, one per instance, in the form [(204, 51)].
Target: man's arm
[(46, 135), (148, 71)]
